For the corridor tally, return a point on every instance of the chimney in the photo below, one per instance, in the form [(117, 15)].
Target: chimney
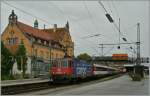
[(36, 24), (44, 26), (55, 27)]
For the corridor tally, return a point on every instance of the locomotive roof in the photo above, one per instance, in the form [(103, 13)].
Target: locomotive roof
[(102, 66)]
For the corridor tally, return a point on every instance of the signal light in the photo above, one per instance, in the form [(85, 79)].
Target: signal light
[(109, 18)]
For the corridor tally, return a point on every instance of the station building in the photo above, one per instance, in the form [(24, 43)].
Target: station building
[(43, 44)]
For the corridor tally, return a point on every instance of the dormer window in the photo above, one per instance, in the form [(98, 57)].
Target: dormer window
[(39, 41), (44, 42)]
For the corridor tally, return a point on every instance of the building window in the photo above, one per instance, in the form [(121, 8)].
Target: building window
[(47, 55), (41, 54), (12, 41), (56, 55), (35, 53), (45, 43), (39, 41), (52, 55)]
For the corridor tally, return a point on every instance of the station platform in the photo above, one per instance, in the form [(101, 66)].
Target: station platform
[(22, 81), (119, 86)]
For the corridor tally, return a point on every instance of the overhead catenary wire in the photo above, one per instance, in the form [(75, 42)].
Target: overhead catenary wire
[(67, 16), (35, 16), (114, 23), (109, 7), (80, 26), (102, 6), (93, 48), (117, 14), (90, 36), (109, 50), (115, 9), (90, 15), (23, 11)]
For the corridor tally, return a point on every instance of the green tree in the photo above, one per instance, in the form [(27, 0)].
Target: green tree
[(6, 63), (21, 58), (84, 56)]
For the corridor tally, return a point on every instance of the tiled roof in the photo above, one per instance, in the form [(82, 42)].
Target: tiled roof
[(36, 32), (44, 34), (59, 33)]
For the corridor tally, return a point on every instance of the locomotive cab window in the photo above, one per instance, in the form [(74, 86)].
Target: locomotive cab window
[(65, 63), (69, 63), (54, 63)]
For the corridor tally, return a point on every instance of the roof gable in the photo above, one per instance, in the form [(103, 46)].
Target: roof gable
[(44, 34)]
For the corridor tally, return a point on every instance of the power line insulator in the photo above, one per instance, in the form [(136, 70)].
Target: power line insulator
[(109, 18), (124, 39), (118, 47)]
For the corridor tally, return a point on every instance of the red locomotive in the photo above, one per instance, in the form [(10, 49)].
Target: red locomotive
[(61, 69), (68, 69)]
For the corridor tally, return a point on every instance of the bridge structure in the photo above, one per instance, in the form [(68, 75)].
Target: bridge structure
[(128, 63), (129, 60)]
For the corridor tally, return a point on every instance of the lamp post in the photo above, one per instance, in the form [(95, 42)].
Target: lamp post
[(21, 67), (32, 56), (102, 47), (133, 54), (138, 44), (50, 56), (21, 59), (138, 68)]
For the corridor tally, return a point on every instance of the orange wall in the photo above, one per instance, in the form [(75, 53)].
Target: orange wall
[(17, 33), (42, 51)]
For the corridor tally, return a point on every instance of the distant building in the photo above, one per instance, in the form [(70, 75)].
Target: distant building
[(42, 44)]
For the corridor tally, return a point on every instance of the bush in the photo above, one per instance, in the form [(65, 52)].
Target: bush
[(136, 78), (6, 77), (26, 76), (17, 76)]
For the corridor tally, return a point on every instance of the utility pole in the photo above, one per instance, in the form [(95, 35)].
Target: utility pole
[(21, 67), (50, 58), (138, 44), (32, 57), (102, 46), (119, 34), (138, 69)]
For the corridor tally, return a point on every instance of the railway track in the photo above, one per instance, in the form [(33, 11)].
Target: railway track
[(33, 87), (23, 88)]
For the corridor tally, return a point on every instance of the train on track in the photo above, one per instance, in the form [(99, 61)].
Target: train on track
[(68, 69)]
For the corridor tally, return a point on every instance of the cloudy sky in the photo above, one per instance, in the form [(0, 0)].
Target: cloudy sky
[(87, 18)]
